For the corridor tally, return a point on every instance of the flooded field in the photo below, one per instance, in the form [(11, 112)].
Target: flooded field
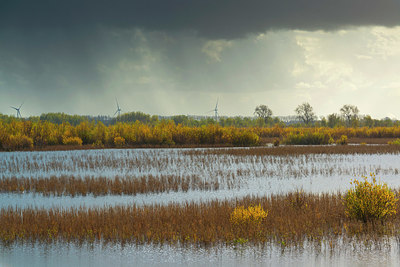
[(186, 175), (143, 177)]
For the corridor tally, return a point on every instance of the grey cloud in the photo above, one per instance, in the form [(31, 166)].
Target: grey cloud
[(214, 19), (74, 49), (45, 58)]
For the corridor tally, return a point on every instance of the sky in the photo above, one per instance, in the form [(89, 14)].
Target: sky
[(171, 57)]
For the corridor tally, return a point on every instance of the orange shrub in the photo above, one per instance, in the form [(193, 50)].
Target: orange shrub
[(17, 142), (119, 141)]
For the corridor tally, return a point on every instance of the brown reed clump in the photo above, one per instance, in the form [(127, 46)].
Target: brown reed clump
[(292, 219), (99, 186)]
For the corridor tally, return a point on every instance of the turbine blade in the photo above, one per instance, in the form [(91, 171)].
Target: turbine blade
[(21, 104), (13, 107), (115, 112)]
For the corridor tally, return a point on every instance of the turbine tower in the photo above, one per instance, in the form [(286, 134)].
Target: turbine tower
[(18, 110), (118, 109), (215, 111)]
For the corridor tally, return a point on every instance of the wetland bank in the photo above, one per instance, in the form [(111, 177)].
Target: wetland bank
[(126, 201)]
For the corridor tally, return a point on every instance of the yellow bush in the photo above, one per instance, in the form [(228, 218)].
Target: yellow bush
[(331, 141), (72, 141), (119, 141), (249, 215), (244, 138), (342, 140), (369, 200)]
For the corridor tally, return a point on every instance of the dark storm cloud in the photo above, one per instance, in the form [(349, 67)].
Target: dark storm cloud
[(42, 56), (209, 18), (69, 50)]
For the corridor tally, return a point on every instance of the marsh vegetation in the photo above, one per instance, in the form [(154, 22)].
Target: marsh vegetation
[(288, 219), (286, 197)]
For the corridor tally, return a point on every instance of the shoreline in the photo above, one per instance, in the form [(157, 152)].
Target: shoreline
[(265, 143)]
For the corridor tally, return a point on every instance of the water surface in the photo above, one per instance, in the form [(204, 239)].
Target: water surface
[(238, 176)]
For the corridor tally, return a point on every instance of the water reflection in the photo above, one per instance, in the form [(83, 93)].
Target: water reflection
[(174, 255)]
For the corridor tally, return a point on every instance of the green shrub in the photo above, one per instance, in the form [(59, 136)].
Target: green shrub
[(72, 141), (307, 138), (342, 140), (394, 142), (369, 200)]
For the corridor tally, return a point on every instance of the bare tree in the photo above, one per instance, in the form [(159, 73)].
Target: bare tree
[(349, 113), (263, 111), (305, 113)]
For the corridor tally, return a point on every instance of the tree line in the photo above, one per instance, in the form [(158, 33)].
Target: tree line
[(348, 116)]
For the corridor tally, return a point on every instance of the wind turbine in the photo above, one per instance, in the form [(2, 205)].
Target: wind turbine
[(118, 109), (18, 110), (215, 111)]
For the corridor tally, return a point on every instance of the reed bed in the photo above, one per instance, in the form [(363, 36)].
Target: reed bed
[(292, 219), (145, 161), (65, 185), (100, 186), (301, 150), (165, 170), (351, 140)]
